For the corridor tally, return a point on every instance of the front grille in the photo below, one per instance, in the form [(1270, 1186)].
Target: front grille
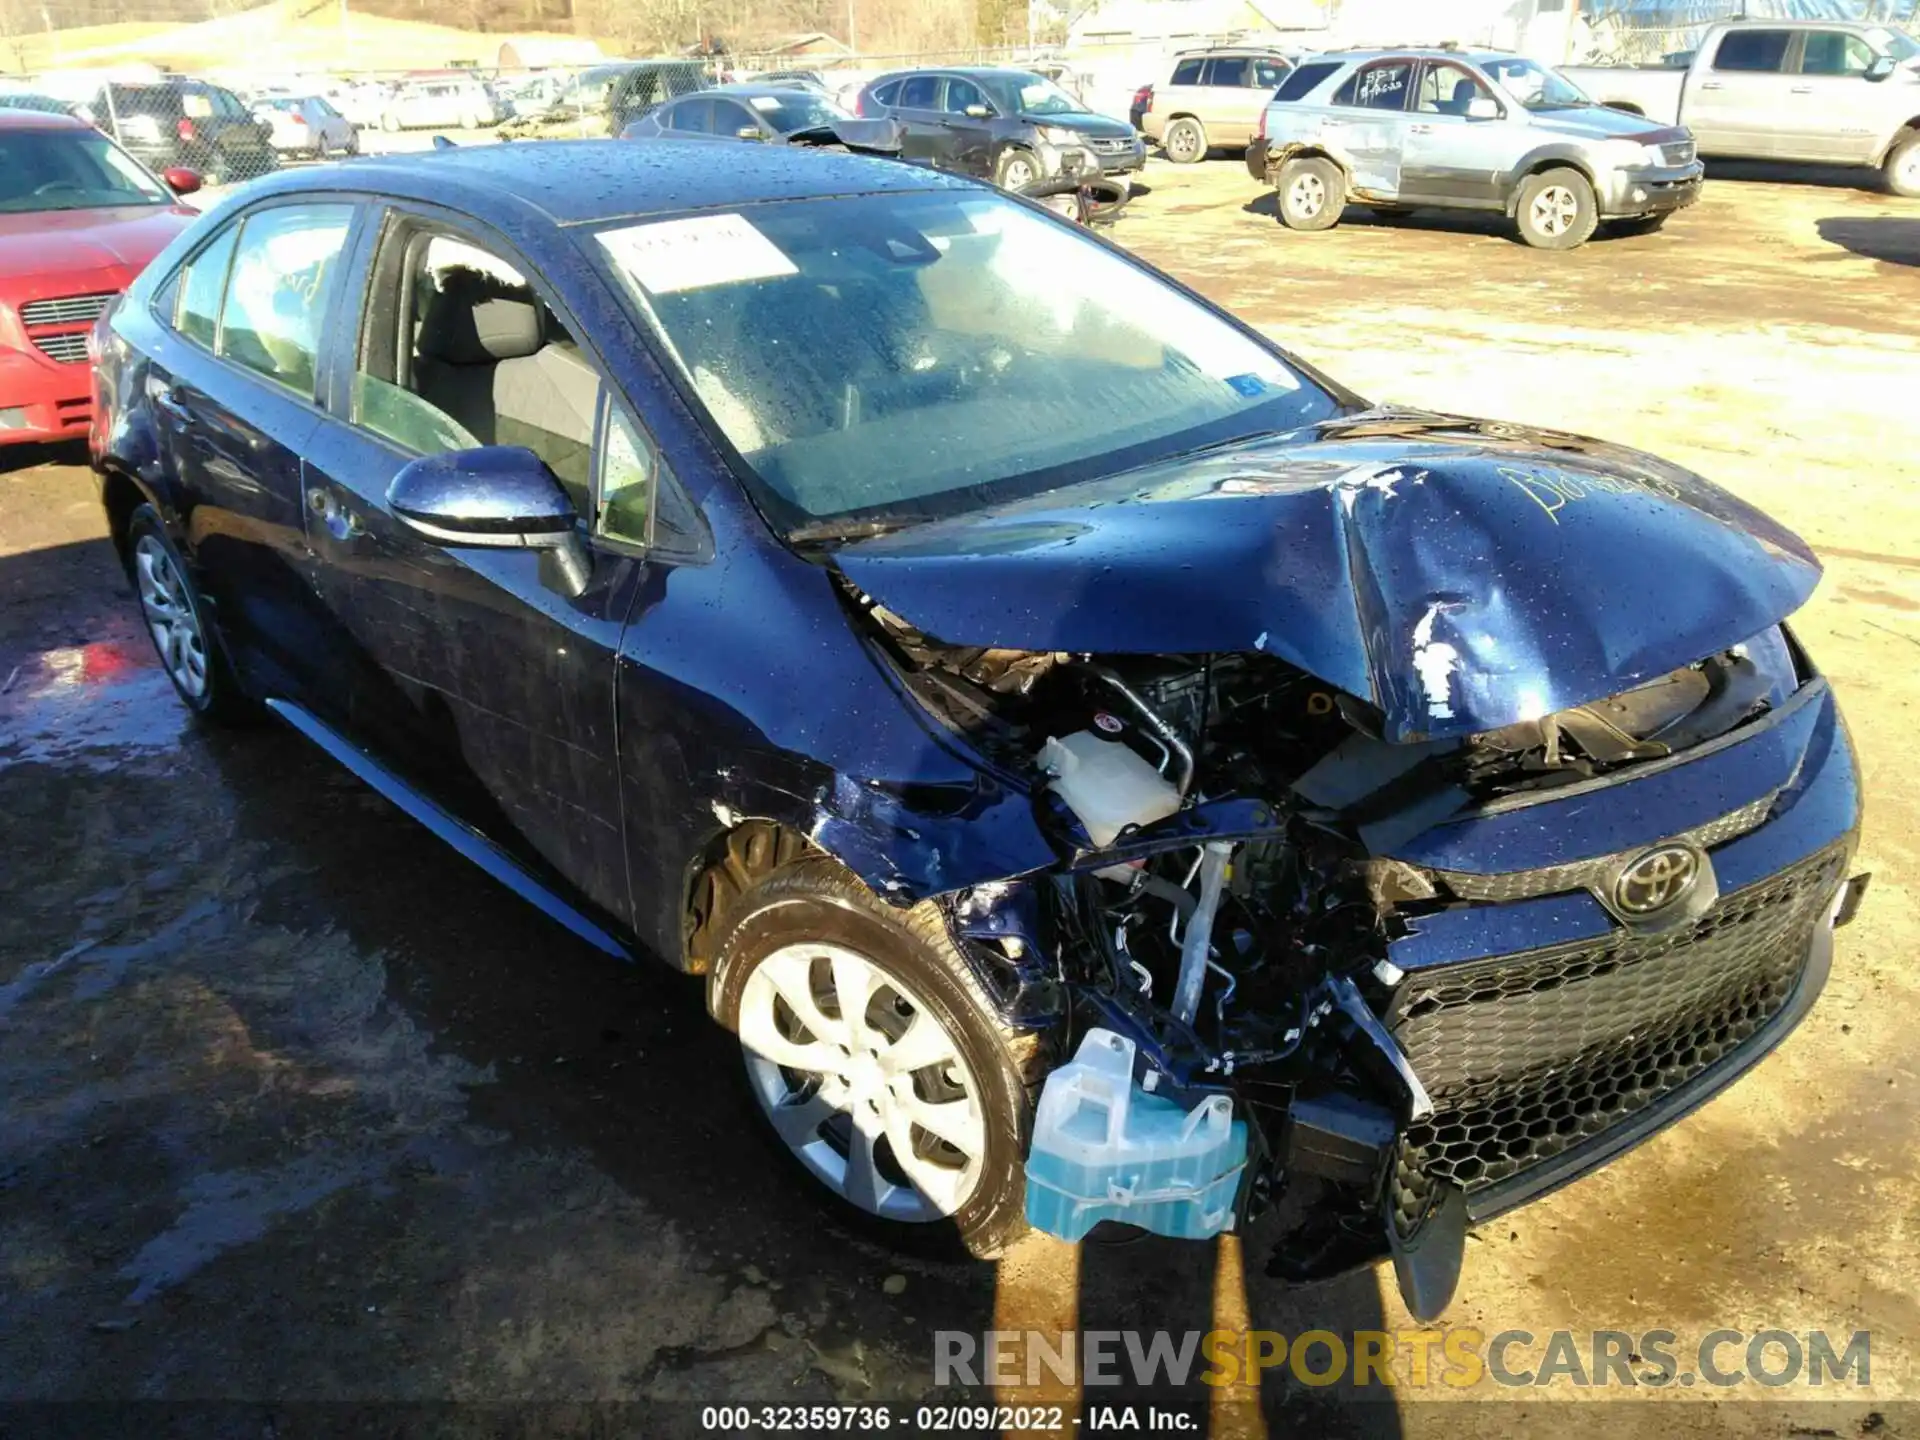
[(67, 349), (68, 310), (1116, 145), (1528, 1055), (1680, 152), (1595, 874)]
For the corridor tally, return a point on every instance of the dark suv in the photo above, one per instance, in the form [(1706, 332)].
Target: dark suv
[(187, 124), (1013, 125)]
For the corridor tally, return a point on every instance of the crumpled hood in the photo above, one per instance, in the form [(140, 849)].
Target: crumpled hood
[(1596, 121), (1461, 575)]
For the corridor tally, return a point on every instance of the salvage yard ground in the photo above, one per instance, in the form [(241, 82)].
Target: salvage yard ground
[(298, 1106)]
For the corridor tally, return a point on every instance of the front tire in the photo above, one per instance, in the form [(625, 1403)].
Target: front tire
[(1903, 167), (1015, 170), (180, 625), (874, 1063), (1310, 193), (1556, 210), (1185, 142)]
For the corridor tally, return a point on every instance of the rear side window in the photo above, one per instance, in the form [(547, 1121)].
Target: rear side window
[(922, 92), (886, 93), (204, 282), (1225, 70), (1268, 73), (1187, 72), (1381, 86), (1752, 50), (283, 272), (692, 117), (1305, 80)]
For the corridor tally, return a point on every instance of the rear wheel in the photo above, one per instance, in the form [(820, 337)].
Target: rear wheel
[(179, 624), (1311, 192), (1903, 167), (875, 1064), (1185, 142), (1556, 210)]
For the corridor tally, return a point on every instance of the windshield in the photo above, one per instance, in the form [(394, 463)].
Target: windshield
[(1042, 97), (922, 354), (1892, 42), (70, 170), (1535, 86), (789, 112)]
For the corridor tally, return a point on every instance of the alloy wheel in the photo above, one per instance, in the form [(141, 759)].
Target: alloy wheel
[(1307, 196), (1019, 174), (1554, 210), (170, 616), (1183, 143), (862, 1082)]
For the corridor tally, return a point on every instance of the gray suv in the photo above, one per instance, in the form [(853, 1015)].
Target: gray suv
[(1473, 130)]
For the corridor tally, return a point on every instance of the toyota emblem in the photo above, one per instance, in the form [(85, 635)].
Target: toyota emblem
[(1656, 880)]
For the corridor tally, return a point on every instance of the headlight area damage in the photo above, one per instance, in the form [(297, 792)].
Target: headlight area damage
[(1245, 852)]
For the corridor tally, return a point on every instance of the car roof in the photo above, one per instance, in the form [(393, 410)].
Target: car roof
[(574, 182), (748, 87), (11, 119), (972, 72)]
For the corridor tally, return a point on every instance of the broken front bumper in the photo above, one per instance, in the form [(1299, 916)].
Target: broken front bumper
[(1651, 190)]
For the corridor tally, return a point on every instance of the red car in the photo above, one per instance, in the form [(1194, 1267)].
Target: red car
[(79, 218)]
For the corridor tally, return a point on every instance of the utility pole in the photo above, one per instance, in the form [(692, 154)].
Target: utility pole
[(853, 34)]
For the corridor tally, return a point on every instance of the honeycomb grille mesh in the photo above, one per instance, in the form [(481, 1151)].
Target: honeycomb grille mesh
[(1528, 1055)]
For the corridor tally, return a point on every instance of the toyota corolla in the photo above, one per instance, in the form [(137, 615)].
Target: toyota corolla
[(1102, 770)]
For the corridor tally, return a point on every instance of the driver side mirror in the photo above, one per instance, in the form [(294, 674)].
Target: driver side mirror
[(978, 112), (502, 497), (181, 180), (749, 132), (1882, 67), (1483, 107)]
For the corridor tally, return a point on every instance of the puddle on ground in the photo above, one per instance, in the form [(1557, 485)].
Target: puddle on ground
[(89, 704)]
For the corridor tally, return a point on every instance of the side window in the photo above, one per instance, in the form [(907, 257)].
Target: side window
[(1448, 90), (204, 281), (920, 92), (1225, 70), (1835, 52), (886, 93), (692, 117), (283, 272), (1753, 50), (1187, 72), (458, 350), (1267, 74), (1304, 80), (962, 93), (628, 467), (730, 119), (1382, 85)]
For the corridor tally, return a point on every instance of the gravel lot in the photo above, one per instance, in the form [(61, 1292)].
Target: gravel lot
[(298, 1107)]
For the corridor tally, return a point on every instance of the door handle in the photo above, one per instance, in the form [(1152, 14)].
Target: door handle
[(1420, 129), (340, 521), (1709, 84), (1801, 90)]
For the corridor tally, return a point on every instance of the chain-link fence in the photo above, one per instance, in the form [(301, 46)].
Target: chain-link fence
[(1624, 40)]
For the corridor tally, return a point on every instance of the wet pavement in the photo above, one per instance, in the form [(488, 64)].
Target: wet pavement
[(296, 1106)]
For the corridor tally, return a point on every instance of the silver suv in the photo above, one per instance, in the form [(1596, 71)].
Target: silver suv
[(1210, 99), (1473, 130)]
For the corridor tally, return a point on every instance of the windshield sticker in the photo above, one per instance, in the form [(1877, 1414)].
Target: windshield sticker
[(1248, 385), (1387, 80), (669, 256), (764, 102)]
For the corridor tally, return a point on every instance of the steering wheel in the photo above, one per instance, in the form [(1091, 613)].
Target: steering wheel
[(53, 186)]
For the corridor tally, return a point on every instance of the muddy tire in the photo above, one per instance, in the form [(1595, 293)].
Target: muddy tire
[(1310, 193), (924, 1067), (181, 626), (1016, 169), (1556, 210), (1903, 167), (1185, 141)]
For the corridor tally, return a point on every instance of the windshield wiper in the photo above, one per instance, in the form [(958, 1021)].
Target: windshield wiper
[(825, 532)]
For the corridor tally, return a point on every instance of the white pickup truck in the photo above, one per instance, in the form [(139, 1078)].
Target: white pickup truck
[(1824, 91)]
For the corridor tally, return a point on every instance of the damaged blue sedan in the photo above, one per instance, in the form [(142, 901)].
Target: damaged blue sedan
[(1103, 771)]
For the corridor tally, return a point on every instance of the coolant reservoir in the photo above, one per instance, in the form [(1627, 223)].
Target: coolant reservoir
[(1105, 1149), (1106, 785)]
